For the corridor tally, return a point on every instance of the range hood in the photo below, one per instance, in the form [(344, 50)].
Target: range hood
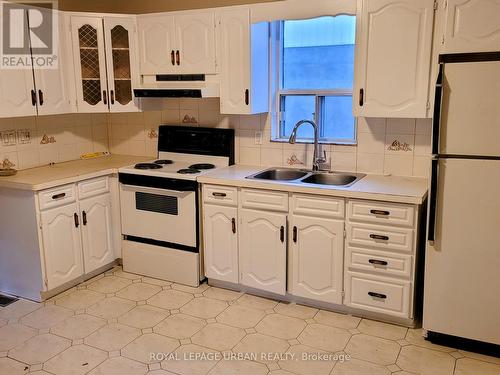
[(178, 86)]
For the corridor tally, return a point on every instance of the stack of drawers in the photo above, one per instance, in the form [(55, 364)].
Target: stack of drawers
[(380, 257)]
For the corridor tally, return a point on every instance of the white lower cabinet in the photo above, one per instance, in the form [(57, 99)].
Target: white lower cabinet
[(221, 242), (262, 246), (62, 245), (317, 258), (97, 229)]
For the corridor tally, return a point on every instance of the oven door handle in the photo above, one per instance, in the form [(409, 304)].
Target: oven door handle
[(159, 191)]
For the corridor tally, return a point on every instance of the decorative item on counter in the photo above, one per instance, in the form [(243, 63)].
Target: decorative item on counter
[(189, 120), (152, 133), (399, 146), (93, 155), (294, 160), (46, 140), (6, 168)]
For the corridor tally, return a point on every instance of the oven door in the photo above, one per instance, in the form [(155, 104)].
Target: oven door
[(160, 214)]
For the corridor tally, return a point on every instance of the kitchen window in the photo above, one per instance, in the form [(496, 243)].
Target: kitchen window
[(314, 78)]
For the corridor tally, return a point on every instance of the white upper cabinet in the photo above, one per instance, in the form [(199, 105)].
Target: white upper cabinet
[(472, 26), (183, 43), (104, 59), (262, 250), (393, 54), (243, 49), (317, 258), (17, 93)]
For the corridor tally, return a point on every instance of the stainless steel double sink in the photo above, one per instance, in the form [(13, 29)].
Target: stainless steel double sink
[(307, 177)]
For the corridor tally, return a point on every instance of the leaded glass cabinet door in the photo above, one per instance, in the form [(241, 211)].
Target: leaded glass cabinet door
[(121, 61), (90, 64)]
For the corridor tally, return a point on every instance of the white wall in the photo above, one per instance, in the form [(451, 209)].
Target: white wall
[(130, 133)]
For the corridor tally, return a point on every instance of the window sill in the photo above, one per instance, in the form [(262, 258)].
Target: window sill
[(307, 141)]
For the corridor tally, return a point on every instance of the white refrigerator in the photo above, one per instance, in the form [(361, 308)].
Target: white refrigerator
[(462, 260)]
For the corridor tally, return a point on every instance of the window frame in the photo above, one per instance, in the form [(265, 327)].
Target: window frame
[(279, 93)]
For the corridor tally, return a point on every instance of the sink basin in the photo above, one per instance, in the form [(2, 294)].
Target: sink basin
[(279, 174), (336, 179)]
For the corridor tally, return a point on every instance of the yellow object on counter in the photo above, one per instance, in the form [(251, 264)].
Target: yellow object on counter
[(93, 155)]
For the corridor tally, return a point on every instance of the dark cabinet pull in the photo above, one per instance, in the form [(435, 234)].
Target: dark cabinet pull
[(379, 237), (247, 97), (105, 97), (112, 94), (295, 234), (77, 221), (377, 295), (221, 195), (40, 96), (59, 196), (33, 97), (282, 234), (233, 224), (361, 97), (84, 217), (378, 262), (178, 57), (172, 57), (380, 212)]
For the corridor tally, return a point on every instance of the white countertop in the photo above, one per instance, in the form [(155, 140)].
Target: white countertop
[(68, 172), (398, 189)]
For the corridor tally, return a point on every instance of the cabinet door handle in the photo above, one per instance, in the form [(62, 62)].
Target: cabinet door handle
[(84, 217), (380, 212), (377, 295), (105, 97), (40, 96), (178, 57), (77, 221), (247, 97), (379, 237), (221, 195), (233, 224), (378, 262), (33, 98), (172, 57), (58, 196), (361, 97), (112, 94), (282, 234), (294, 234)]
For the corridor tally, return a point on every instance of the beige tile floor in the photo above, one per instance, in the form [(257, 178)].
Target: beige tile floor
[(112, 323)]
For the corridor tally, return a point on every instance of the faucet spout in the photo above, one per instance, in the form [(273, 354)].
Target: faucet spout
[(317, 158)]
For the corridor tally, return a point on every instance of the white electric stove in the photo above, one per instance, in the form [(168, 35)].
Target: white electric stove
[(159, 202)]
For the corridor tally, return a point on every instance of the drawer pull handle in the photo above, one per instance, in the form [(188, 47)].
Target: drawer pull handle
[(58, 196), (379, 237), (282, 234), (221, 195), (380, 212), (84, 217), (378, 262), (233, 224), (77, 221), (295, 234), (377, 295)]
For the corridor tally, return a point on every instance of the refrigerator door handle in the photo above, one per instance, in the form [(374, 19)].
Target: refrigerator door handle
[(431, 230), (438, 103)]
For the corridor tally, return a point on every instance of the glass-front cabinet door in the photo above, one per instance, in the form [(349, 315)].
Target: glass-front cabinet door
[(121, 62), (90, 64)]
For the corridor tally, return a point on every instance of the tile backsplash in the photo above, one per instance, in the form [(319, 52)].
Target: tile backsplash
[(389, 146), (53, 139)]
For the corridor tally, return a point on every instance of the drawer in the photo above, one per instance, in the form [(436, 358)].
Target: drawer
[(382, 295), (95, 186), (56, 197), (382, 237), (313, 205), (381, 262), (264, 199), (381, 213), (226, 195)]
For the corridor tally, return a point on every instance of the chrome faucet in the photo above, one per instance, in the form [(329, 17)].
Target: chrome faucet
[(317, 158)]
